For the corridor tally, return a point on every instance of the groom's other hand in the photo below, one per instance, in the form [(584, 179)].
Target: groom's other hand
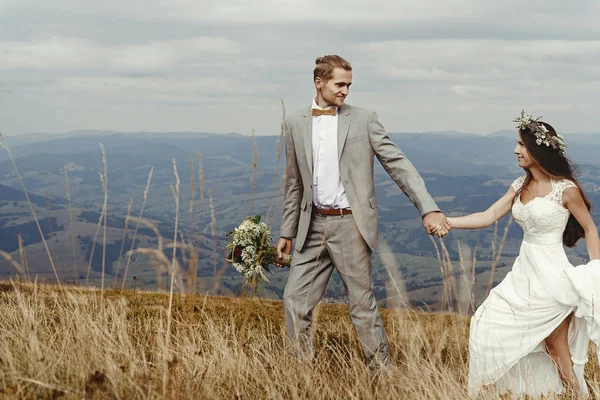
[(436, 223), (284, 246)]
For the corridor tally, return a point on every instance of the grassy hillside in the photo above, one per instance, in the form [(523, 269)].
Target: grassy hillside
[(78, 343)]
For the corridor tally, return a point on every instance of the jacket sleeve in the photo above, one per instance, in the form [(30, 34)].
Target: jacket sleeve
[(399, 168), (293, 189)]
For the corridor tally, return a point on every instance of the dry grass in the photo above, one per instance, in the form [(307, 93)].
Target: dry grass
[(77, 343)]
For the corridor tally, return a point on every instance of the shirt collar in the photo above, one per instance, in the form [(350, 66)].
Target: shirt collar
[(315, 105)]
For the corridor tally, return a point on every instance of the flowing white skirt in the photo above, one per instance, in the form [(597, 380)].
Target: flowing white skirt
[(508, 330)]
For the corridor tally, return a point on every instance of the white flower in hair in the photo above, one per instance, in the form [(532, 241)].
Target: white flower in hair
[(525, 122)]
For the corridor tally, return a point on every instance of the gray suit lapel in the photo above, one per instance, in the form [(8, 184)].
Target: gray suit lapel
[(307, 132), (344, 117)]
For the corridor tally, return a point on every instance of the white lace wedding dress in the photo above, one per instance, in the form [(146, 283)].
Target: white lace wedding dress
[(507, 333)]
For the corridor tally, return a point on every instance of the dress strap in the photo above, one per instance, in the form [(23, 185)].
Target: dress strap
[(558, 187), (518, 183)]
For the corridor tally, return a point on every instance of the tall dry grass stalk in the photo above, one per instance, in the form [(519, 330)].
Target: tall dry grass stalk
[(48, 213), (158, 259), (457, 291), (201, 189), (192, 229), (104, 180), (271, 208), (19, 267), (137, 227), (175, 190), (101, 222), (465, 294), (450, 277), (459, 295), (446, 282), (23, 256), (396, 295), (200, 178), (71, 230), (4, 145), (122, 249), (167, 340), (213, 232), (254, 171), (217, 274), (191, 248), (93, 249)]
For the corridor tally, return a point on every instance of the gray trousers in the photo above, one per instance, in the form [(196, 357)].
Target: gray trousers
[(334, 242)]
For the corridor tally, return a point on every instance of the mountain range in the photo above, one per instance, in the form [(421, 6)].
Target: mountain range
[(241, 175)]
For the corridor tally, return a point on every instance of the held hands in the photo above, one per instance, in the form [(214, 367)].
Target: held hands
[(436, 223), (284, 246)]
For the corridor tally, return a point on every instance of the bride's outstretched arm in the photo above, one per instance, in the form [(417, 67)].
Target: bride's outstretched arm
[(484, 219), (574, 202)]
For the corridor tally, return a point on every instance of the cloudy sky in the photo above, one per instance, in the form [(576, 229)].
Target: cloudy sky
[(223, 66)]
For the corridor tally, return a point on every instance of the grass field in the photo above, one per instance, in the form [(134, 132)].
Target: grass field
[(77, 343)]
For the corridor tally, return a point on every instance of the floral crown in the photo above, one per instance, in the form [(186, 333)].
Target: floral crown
[(533, 125)]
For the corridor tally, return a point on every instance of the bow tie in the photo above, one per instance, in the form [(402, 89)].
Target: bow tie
[(317, 111)]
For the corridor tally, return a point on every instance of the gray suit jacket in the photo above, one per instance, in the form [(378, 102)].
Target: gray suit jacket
[(361, 137)]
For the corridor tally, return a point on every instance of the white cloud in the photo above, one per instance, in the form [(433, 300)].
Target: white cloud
[(188, 64), (48, 53), (472, 91), (149, 88), (492, 13), (490, 67), (419, 74), (157, 56), (57, 52)]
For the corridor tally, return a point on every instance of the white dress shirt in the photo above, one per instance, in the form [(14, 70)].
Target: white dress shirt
[(328, 191)]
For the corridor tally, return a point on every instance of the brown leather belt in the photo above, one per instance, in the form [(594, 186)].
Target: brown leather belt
[(332, 211)]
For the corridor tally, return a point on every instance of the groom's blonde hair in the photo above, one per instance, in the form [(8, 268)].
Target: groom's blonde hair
[(326, 65)]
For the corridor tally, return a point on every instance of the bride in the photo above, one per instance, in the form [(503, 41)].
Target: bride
[(531, 335)]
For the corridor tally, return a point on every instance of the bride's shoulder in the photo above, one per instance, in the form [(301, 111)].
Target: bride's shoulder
[(518, 182)]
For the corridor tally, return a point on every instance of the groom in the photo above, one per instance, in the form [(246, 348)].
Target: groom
[(331, 210)]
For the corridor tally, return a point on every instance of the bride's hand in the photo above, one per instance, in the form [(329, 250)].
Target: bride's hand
[(436, 220), (439, 231)]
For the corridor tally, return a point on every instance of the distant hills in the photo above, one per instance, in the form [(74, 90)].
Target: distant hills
[(464, 172), (8, 194)]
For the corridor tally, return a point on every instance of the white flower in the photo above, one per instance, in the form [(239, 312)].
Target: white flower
[(538, 141), (248, 254), (249, 237)]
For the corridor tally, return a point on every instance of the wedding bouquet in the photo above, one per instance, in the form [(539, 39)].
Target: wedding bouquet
[(250, 250)]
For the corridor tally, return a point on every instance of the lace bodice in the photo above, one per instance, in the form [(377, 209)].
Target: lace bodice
[(542, 214)]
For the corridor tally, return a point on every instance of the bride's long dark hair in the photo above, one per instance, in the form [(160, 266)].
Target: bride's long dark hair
[(557, 166)]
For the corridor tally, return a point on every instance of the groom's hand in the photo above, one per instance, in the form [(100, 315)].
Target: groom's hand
[(284, 246), (436, 223)]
